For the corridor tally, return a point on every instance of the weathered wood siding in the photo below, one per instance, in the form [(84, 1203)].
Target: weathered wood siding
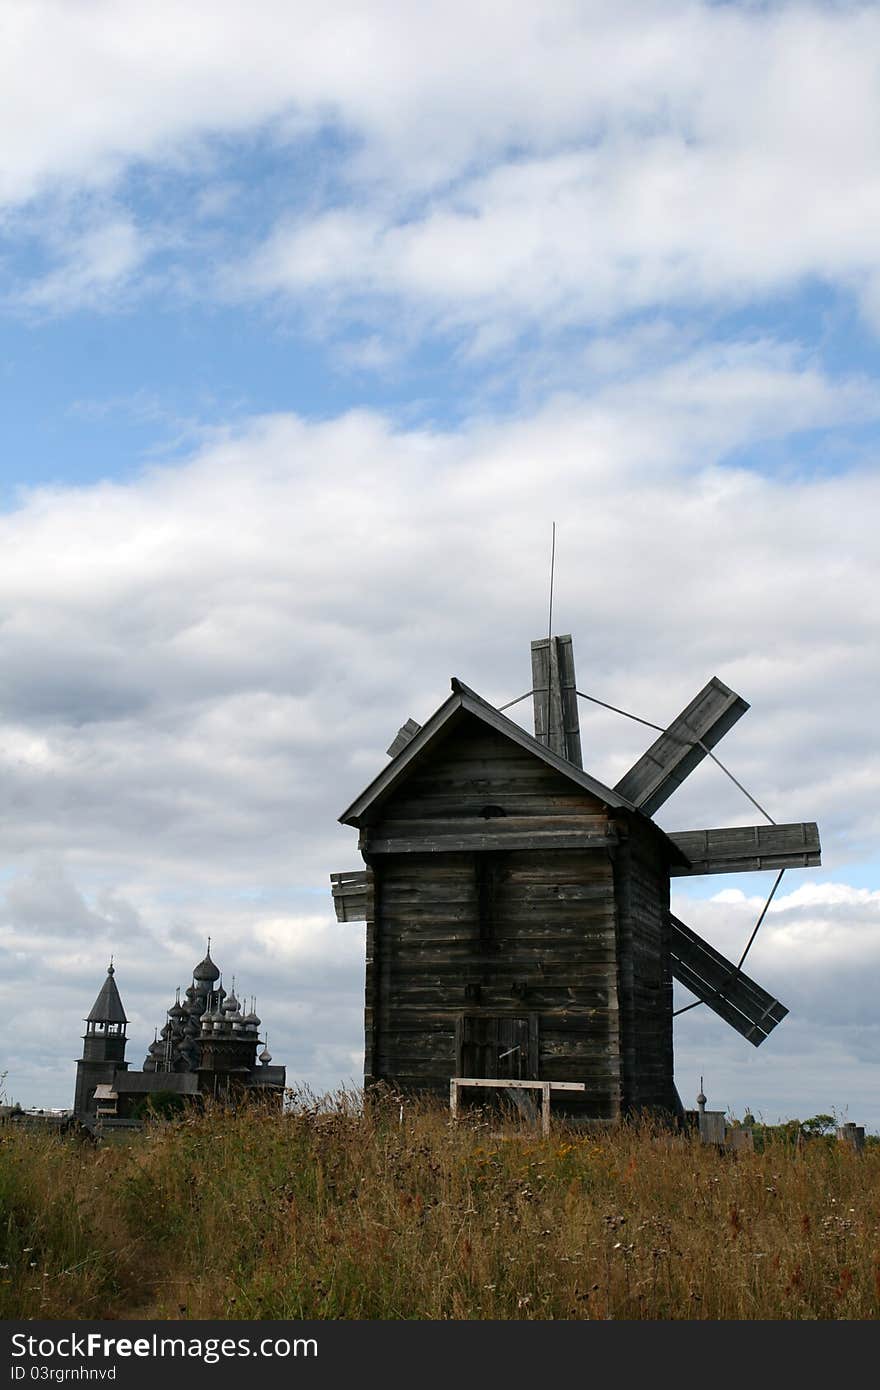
[(477, 782), (517, 934), (543, 949), (644, 971)]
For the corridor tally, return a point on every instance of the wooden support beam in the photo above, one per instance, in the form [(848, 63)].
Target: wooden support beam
[(352, 895), (677, 751), (477, 841), (554, 697), (721, 986), (744, 848)]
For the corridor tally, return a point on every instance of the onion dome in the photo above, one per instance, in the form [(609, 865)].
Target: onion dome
[(206, 969), (251, 1018), (155, 1051), (230, 1003), (210, 1016), (265, 1056)]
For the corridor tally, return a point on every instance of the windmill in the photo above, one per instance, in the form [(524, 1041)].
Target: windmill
[(517, 909)]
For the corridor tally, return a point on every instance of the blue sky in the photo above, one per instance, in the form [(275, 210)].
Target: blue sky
[(312, 322)]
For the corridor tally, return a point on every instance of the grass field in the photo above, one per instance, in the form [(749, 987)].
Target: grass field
[(333, 1212)]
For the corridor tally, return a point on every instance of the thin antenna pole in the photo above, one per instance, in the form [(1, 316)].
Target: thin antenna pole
[(552, 568)]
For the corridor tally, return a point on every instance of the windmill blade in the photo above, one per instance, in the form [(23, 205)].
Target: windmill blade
[(352, 895), (554, 697), (405, 734), (718, 983), (677, 751), (744, 848)]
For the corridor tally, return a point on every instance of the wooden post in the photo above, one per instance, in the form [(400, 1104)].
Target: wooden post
[(453, 1099), (852, 1135)]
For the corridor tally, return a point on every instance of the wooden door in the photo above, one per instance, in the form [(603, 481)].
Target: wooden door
[(495, 1046)]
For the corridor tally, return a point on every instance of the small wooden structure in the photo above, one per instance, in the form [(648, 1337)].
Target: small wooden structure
[(517, 910), (460, 1083), (852, 1135)]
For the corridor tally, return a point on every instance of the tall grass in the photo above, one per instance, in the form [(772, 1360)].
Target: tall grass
[(335, 1211)]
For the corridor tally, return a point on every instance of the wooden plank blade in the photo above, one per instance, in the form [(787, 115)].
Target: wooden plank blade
[(554, 697), (677, 751), (352, 895), (721, 986), (744, 848), (405, 734)]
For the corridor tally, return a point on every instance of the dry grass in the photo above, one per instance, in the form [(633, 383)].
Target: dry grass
[(333, 1213)]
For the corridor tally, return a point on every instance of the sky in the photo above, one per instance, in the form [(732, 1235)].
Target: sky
[(314, 319)]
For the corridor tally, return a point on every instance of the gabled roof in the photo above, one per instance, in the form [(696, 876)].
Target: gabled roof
[(107, 1008), (467, 701)]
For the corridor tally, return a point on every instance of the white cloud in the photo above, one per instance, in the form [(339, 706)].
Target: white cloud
[(94, 265), (817, 951), (564, 164)]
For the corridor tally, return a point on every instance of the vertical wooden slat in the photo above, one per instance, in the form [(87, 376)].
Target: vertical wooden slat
[(533, 1046), (554, 697), (372, 998)]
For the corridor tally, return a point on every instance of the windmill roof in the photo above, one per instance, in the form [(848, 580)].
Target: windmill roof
[(463, 700), (107, 1008)]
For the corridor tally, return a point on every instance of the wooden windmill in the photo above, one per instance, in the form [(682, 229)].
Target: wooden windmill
[(517, 909)]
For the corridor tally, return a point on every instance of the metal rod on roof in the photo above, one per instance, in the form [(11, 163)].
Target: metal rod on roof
[(552, 568)]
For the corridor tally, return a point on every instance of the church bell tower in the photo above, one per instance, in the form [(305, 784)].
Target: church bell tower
[(103, 1047)]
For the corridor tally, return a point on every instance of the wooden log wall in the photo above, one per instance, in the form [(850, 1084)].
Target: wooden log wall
[(465, 927), (543, 952), (645, 974)]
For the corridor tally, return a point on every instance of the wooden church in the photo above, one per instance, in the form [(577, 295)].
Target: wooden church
[(517, 910)]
